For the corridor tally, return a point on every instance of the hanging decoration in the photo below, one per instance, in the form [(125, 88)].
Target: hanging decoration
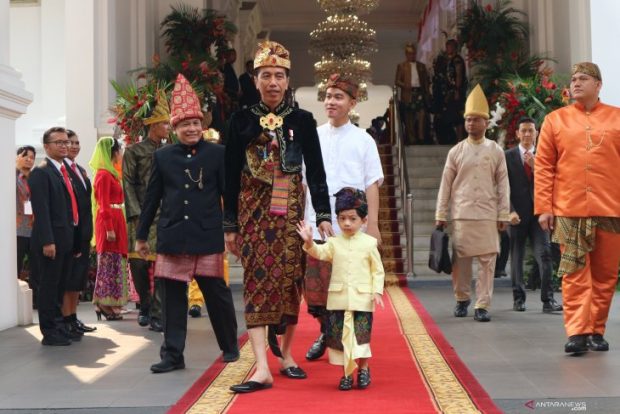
[(343, 42)]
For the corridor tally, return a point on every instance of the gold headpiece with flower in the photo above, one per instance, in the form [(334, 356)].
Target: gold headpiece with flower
[(271, 54)]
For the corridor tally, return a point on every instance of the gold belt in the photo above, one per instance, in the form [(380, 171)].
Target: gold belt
[(119, 206)]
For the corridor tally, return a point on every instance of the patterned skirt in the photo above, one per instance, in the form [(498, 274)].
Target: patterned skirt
[(271, 253), (316, 281), (183, 267), (348, 337), (111, 288)]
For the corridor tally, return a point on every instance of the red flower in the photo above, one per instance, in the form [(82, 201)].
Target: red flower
[(488, 8), (185, 65)]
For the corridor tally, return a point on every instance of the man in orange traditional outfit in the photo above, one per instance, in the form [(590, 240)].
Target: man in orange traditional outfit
[(577, 197)]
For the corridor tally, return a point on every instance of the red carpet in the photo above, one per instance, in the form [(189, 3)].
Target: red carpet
[(414, 370)]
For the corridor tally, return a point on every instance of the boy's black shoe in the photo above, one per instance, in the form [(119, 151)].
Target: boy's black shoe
[(346, 383), (363, 378)]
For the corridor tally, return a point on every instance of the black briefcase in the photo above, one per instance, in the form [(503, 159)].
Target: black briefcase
[(439, 256)]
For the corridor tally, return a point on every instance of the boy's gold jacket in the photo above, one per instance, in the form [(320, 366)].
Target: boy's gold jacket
[(357, 271)]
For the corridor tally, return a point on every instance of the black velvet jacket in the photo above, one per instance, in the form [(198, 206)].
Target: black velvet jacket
[(304, 148), (189, 184)]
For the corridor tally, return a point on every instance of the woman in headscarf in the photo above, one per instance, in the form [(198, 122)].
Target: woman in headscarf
[(110, 292)]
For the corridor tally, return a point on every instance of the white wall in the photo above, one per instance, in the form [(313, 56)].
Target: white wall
[(37, 51), (605, 35)]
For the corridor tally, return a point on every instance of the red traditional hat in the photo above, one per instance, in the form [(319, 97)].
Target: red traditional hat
[(344, 84), (184, 103)]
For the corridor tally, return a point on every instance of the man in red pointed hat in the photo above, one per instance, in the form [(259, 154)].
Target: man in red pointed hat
[(187, 181)]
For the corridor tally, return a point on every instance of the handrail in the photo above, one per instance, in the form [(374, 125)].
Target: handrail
[(406, 197)]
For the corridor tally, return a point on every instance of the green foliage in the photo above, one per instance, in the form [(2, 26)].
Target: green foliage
[(195, 40)]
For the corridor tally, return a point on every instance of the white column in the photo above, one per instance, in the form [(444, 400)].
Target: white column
[(605, 35), (80, 73), (14, 100)]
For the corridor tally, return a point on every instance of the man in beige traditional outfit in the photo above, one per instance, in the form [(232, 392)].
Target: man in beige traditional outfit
[(475, 186)]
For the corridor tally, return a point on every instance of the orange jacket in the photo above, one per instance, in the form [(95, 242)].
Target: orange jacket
[(577, 161)]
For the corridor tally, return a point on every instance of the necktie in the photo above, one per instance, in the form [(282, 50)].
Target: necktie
[(528, 169), (78, 173), (74, 207)]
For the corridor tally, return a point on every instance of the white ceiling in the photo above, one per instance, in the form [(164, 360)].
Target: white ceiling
[(304, 15)]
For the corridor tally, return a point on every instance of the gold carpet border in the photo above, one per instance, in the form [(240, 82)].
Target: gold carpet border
[(217, 397), (449, 394)]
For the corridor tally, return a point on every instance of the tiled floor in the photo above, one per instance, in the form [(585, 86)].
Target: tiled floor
[(518, 358)]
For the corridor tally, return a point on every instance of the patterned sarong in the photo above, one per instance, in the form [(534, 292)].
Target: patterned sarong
[(184, 267), (111, 288), (271, 253), (578, 235)]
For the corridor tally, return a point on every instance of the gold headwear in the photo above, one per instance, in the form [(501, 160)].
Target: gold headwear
[(344, 84), (161, 113), (271, 54), (476, 103), (410, 47), (588, 68)]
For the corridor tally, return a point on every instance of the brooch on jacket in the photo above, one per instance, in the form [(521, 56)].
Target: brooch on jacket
[(271, 121)]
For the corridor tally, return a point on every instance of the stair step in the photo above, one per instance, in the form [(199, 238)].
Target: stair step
[(424, 204), (393, 265), (425, 171), (389, 226), (428, 150), (424, 182), (425, 193)]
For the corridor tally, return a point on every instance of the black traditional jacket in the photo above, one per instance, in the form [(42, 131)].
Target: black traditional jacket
[(188, 181), (298, 143)]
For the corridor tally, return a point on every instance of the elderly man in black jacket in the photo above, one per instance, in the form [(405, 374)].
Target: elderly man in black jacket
[(187, 180)]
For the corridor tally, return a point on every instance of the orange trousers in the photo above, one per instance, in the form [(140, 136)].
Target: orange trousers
[(587, 293)]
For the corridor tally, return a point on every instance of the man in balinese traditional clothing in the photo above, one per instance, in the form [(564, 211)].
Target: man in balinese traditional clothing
[(187, 180), (137, 162), (351, 159), (578, 198), (265, 148), (475, 186)]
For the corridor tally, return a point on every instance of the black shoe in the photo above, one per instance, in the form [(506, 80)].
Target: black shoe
[(166, 366), (317, 349), (294, 373), (250, 386), (596, 342), (55, 340), (84, 328), (481, 315), (156, 325), (577, 344), (346, 383), (518, 307), (501, 273), (230, 356), (143, 317), (552, 306), (194, 311), (460, 311), (363, 378), (71, 333)]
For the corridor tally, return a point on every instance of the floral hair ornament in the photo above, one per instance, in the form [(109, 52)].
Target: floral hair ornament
[(588, 68), (350, 198), (271, 54), (344, 84)]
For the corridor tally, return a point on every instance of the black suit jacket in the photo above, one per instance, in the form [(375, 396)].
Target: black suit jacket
[(51, 206), (249, 93), (190, 219), (83, 197), (521, 189)]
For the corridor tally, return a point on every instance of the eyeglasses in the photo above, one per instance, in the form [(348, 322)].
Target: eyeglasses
[(61, 143)]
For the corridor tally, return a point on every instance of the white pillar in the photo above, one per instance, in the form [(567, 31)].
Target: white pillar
[(605, 35), (80, 73), (14, 100)]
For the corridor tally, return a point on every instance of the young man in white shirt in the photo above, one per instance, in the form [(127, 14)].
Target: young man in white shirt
[(351, 159)]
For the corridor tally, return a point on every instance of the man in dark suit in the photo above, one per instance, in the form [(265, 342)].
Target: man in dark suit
[(249, 93), (413, 81), (186, 186), (52, 243), (78, 275), (524, 225)]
